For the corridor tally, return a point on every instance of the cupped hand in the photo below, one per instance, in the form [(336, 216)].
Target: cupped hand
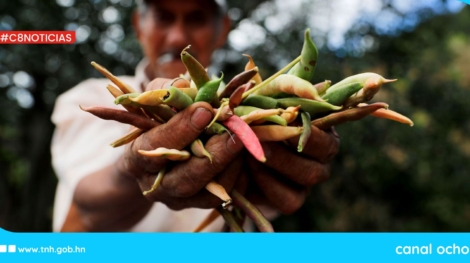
[(285, 178), (183, 183)]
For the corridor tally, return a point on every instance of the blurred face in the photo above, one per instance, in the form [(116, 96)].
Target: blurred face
[(169, 26)]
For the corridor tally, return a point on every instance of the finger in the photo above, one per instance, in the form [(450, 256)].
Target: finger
[(177, 133), (243, 180), (333, 131), (255, 195), (189, 177), (203, 199), (257, 198), (227, 179), (300, 169), (284, 196), (158, 83), (321, 145)]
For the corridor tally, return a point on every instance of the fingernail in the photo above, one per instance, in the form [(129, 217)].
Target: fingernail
[(201, 118)]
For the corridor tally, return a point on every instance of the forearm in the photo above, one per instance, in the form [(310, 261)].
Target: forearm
[(109, 200)]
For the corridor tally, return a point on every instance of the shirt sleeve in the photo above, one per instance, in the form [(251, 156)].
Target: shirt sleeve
[(81, 141)]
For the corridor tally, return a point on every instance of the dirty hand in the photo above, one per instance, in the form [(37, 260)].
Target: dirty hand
[(287, 175), (183, 183)]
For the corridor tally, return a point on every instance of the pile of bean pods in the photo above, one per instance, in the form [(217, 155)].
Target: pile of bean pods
[(252, 109)]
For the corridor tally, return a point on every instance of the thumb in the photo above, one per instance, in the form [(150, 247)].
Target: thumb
[(182, 129)]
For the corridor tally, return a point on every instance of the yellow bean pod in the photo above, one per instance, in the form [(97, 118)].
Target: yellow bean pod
[(391, 115), (260, 114), (290, 114), (290, 84), (170, 154), (129, 137), (124, 87), (197, 148), (251, 65), (270, 133), (150, 98)]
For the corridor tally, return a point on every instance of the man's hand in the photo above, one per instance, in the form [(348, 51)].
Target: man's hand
[(183, 181), (287, 175)]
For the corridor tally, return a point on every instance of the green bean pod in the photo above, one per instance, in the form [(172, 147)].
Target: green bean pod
[(209, 90), (191, 92), (245, 110), (306, 124), (125, 99), (262, 102), (341, 94), (197, 148), (196, 70), (290, 84), (282, 95), (371, 87), (116, 93), (311, 106), (361, 78), (237, 81), (176, 98), (306, 66), (216, 128)]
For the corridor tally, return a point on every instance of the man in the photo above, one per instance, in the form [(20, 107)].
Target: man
[(100, 188)]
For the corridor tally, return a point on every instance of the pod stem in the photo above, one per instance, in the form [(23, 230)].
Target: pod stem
[(252, 212), (265, 82), (230, 220)]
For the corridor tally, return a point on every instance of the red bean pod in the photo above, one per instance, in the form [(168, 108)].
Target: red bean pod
[(390, 114), (352, 114), (237, 81), (236, 97), (121, 116), (246, 136)]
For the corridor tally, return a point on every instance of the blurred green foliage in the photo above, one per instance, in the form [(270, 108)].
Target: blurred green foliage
[(390, 177), (387, 176)]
